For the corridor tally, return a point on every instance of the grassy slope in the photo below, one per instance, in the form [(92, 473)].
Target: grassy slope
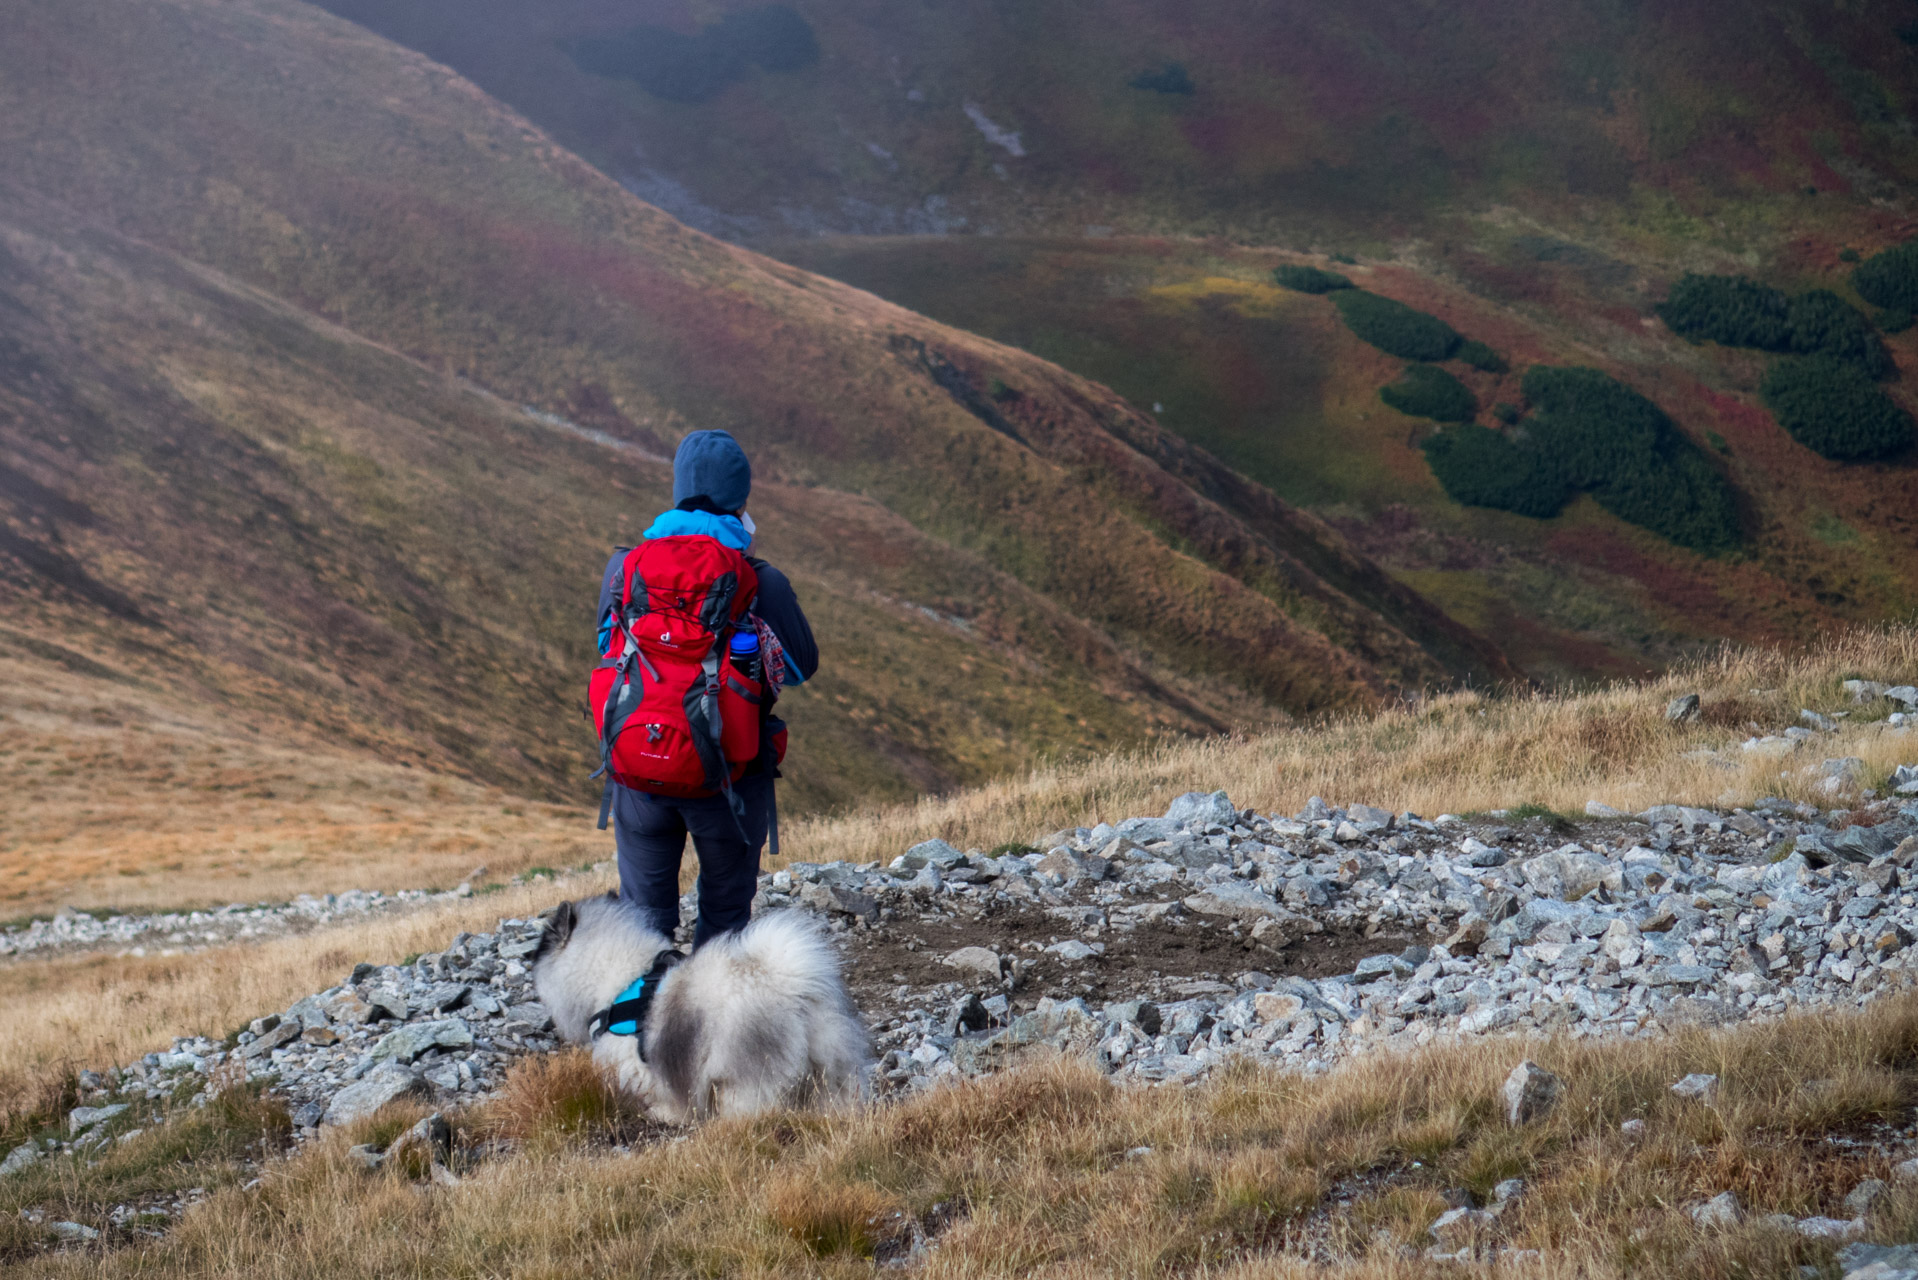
[(1048, 1161), (1339, 122), (1270, 382), (302, 517)]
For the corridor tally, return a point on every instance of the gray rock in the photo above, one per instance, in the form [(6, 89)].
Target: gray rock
[(445, 996), (308, 1115), (1373, 968), (933, 853), (1822, 723), (1865, 1197), (1369, 820), (413, 1039), (1141, 1013), (982, 964), (347, 1007), (1569, 873), (1879, 1261), (27, 1153), (832, 899), (1202, 809), (1459, 1228), (1699, 1087), (1530, 1093), (1905, 693), (1238, 900), (1830, 1228), (285, 1031), (80, 1119), (1722, 1210), (1905, 1171), (73, 1231), (388, 1083), (390, 1000), (1682, 709)]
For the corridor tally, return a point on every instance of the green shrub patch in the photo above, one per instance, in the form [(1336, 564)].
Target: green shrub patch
[(1484, 468), (1480, 356), (1738, 312), (1309, 279), (1588, 432), (1889, 279), (1427, 391), (1730, 310), (1834, 409), (1395, 328), (1824, 324)]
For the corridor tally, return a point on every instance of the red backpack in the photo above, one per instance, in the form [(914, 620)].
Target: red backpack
[(674, 716)]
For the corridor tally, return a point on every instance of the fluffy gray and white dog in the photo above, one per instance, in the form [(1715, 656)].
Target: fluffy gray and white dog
[(752, 1020)]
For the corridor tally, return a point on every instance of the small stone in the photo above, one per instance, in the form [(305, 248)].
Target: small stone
[(80, 1119), (431, 1138), (386, 1084), (1598, 809), (282, 1032), (1460, 1228), (832, 899), (1682, 709), (1699, 1087), (347, 1007), (1276, 1006), (27, 1153), (320, 1036), (1202, 809), (413, 1039), (983, 964), (1722, 1210), (308, 1115), (1142, 1014), (1373, 968), (1879, 1261), (1822, 723), (368, 1157), (1830, 1228), (1530, 1093), (1508, 1191), (1865, 1197), (73, 1231), (1905, 1171), (1632, 1130)]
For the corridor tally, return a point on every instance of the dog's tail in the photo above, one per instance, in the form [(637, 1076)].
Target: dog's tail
[(789, 950)]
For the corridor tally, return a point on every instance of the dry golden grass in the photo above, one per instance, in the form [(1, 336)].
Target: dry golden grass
[(98, 1009), (1042, 1173), (120, 797), (1457, 752)]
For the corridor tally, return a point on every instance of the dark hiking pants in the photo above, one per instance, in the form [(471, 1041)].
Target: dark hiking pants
[(650, 833)]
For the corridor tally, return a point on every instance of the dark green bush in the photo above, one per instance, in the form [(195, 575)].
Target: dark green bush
[(1484, 468), (1601, 436), (1308, 279), (1889, 279), (1834, 409), (1480, 356), (1589, 432), (1395, 328), (1507, 413), (1170, 78), (1730, 310), (1824, 324), (1848, 255), (1738, 312), (1893, 321), (1427, 391)]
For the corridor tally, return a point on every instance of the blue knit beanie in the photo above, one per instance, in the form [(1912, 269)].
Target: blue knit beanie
[(711, 465)]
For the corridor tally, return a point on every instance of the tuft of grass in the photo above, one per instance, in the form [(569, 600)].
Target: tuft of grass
[(559, 1096), (830, 1217)]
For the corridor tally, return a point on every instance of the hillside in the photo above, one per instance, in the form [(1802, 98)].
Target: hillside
[(1288, 123), (1707, 1012), (1538, 176), (278, 293), (1274, 384)]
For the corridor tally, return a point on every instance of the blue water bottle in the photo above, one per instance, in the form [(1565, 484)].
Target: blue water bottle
[(745, 652)]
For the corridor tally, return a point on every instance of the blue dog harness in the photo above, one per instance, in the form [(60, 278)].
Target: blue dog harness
[(626, 1015)]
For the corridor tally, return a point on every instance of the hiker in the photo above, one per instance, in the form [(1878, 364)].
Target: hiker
[(688, 741)]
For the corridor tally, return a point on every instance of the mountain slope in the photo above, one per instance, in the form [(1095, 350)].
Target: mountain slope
[(1270, 121), (246, 439)]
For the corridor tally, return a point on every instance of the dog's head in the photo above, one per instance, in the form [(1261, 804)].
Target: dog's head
[(556, 932), (588, 952)]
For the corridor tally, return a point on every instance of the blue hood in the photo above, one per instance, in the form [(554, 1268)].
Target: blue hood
[(679, 524)]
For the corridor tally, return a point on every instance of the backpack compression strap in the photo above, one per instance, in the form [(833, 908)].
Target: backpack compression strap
[(626, 1015)]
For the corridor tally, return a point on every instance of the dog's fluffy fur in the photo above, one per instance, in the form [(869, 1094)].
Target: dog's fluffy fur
[(752, 1020)]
